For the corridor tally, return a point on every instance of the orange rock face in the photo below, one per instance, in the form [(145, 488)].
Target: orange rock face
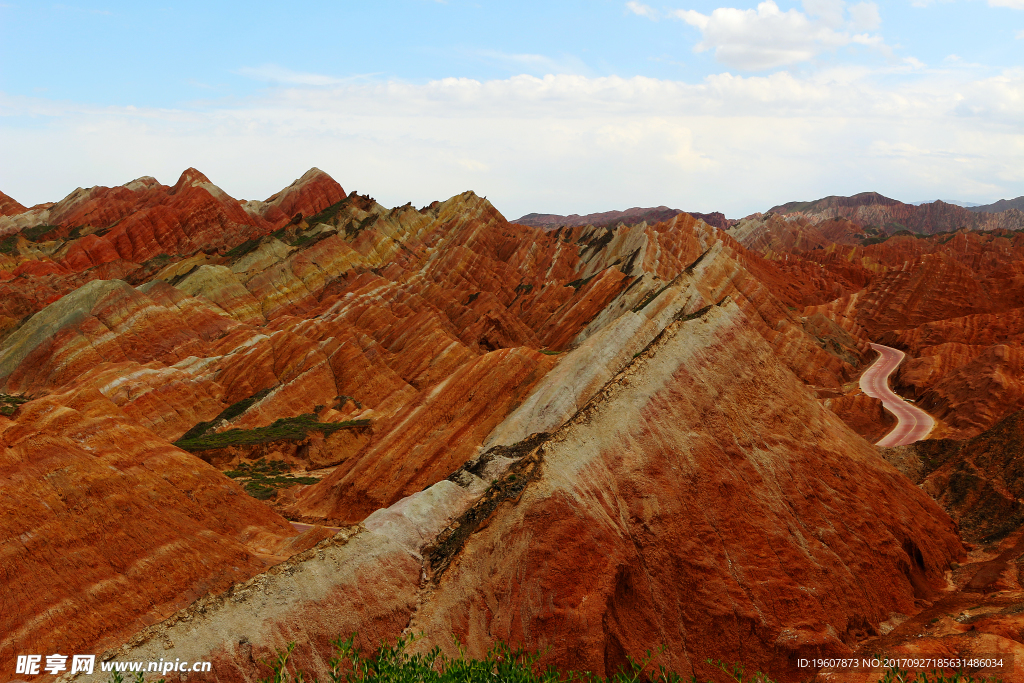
[(631, 416), (108, 528), (106, 233), (581, 540), (428, 439), (977, 480), (864, 414), (700, 568)]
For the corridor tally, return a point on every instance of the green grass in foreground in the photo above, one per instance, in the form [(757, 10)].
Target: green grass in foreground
[(392, 664)]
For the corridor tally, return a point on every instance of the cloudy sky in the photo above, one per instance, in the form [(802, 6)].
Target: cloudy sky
[(558, 106)]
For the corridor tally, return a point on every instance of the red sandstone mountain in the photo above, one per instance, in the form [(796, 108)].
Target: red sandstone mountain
[(130, 232), (634, 418)]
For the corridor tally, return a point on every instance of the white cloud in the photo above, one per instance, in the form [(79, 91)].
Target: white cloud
[(829, 11), (1019, 35), (1012, 4), (642, 10), (560, 143), (768, 38), (864, 16)]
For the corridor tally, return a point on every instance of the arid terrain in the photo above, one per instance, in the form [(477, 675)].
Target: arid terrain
[(227, 426)]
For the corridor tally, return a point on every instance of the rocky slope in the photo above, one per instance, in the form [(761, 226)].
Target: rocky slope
[(478, 391), (863, 414), (965, 370), (108, 528), (773, 483), (130, 232), (979, 481), (654, 256)]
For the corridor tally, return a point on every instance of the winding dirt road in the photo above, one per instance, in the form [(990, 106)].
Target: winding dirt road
[(913, 424)]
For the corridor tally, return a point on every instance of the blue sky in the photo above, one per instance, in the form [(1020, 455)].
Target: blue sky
[(575, 106)]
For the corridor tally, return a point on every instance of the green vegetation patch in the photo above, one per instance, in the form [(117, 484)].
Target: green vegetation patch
[(9, 403), (327, 214), (283, 429), (243, 248), (599, 243), (580, 283), (303, 240), (262, 479), (9, 245), (36, 232), (649, 297), (505, 664), (354, 227), (229, 413), (158, 261), (501, 664)]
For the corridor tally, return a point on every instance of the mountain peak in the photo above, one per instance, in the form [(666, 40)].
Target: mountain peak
[(191, 177), (835, 201), (145, 182), (314, 191), (9, 207)]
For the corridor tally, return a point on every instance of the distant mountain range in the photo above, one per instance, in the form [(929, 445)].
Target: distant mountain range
[(866, 208), (891, 215), (966, 205), (609, 218), (994, 207), (1001, 205)]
